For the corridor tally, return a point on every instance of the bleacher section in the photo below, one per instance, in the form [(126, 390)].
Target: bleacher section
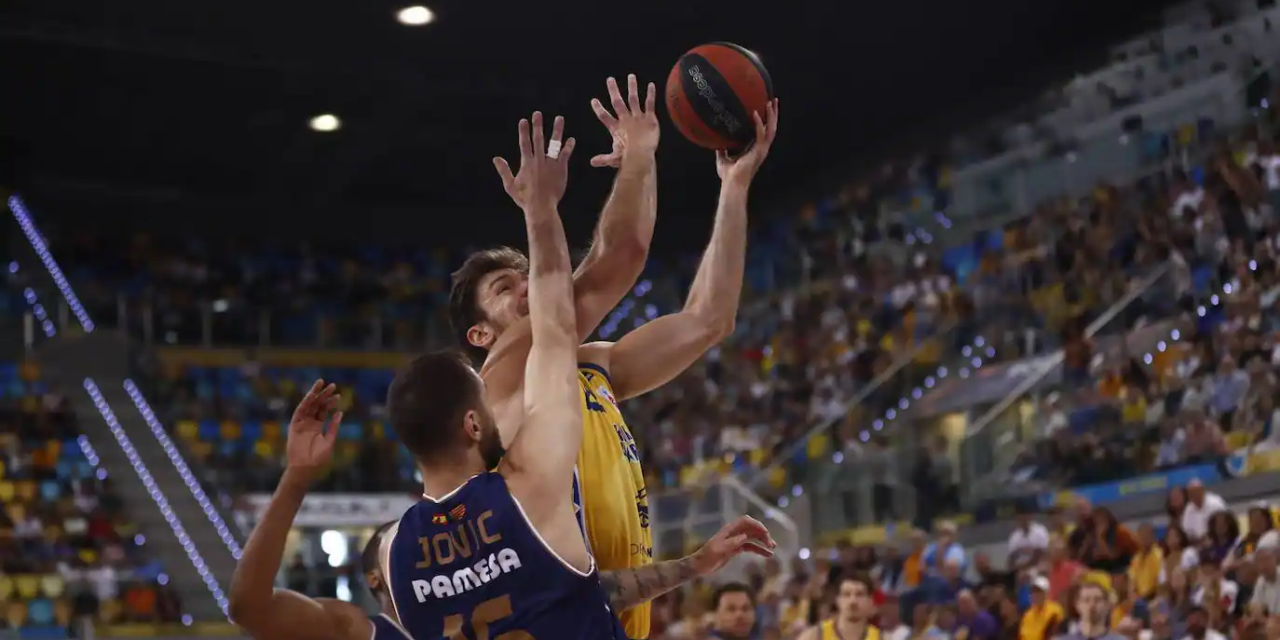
[(66, 551)]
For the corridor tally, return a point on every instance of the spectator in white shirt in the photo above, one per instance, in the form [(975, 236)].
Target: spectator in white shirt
[(1198, 626), (1201, 505), (1213, 584), (1028, 542), (1266, 591)]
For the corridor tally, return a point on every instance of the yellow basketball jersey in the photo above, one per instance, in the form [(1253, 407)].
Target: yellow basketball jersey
[(609, 491), (827, 631)]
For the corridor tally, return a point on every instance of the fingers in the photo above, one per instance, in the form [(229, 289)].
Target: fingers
[(633, 94), (566, 151), (650, 96), (756, 549), (504, 172), (526, 151), (331, 435), (615, 97), (309, 400), (603, 115), (606, 160), (557, 129), (539, 134), (771, 123)]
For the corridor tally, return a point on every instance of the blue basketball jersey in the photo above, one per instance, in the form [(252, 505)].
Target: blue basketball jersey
[(384, 628), (470, 566)]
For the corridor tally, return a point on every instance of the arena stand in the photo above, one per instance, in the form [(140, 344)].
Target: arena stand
[(68, 552), (1011, 299)]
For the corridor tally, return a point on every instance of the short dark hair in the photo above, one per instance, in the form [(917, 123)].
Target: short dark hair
[(728, 588), (369, 559), (427, 400), (861, 578), (464, 307)]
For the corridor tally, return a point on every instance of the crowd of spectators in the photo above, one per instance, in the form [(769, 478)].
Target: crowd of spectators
[(880, 299), (67, 550), (1212, 388), (1204, 571)]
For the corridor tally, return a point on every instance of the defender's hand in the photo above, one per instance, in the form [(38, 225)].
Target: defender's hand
[(634, 129), (310, 445), (742, 169), (744, 535), (544, 166)]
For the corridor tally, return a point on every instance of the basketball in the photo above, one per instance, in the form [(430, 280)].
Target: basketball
[(712, 91)]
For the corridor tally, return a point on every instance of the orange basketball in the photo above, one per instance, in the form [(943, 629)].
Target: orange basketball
[(712, 92)]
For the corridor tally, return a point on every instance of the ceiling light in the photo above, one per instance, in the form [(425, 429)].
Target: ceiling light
[(326, 122), (415, 16)]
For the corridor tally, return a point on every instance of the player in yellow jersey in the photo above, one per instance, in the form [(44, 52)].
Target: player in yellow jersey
[(489, 312), (854, 608)]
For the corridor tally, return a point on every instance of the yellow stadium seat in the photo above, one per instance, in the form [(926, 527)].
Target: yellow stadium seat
[(201, 449), (263, 449), (62, 613), (26, 490), (16, 614), (7, 492), (29, 404), (378, 430), (757, 457), (6, 588), (52, 586), (817, 446), (188, 429), (230, 430), (89, 556), (108, 611), (271, 431), (28, 586), (777, 477), (54, 449), (2, 468)]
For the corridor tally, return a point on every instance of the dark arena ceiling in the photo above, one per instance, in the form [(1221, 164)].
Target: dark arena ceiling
[(189, 112)]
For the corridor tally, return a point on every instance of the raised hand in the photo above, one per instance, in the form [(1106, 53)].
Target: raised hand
[(743, 167), (544, 166), (634, 129), (310, 444), (744, 535)]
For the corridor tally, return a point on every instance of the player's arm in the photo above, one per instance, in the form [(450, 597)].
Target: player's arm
[(627, 588), (621, 240), (544, 451), (256, 605), (655, 353)]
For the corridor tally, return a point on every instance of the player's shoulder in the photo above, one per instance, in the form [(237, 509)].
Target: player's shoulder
[(595, 356)]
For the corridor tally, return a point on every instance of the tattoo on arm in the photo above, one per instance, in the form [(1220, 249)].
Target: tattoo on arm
[(629, 587)]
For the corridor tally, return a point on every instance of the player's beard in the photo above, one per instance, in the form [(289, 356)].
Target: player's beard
[(491, 450)]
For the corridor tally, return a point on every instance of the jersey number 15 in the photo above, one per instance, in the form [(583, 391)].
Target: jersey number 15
[(482, 616)]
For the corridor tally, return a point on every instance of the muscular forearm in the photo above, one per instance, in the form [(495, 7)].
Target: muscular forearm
[(253, 582), (550, 286), (629, 587), (717, 286), (626, 221)]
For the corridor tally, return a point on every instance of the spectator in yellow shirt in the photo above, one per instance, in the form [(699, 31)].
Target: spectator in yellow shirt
[(1144, 568), (1042, 618)]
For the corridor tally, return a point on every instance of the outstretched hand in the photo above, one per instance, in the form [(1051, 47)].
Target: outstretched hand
[(543, 174), (634, 129), (310, 444), (743, 167), (744, 535)]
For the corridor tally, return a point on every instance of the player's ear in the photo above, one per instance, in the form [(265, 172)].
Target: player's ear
[(471, 426), (480, 335)]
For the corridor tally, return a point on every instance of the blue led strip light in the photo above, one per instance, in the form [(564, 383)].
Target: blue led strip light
[(28, 227), (188, 477), (33, 234), (42, 250), (28, 294), (158, 496)]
